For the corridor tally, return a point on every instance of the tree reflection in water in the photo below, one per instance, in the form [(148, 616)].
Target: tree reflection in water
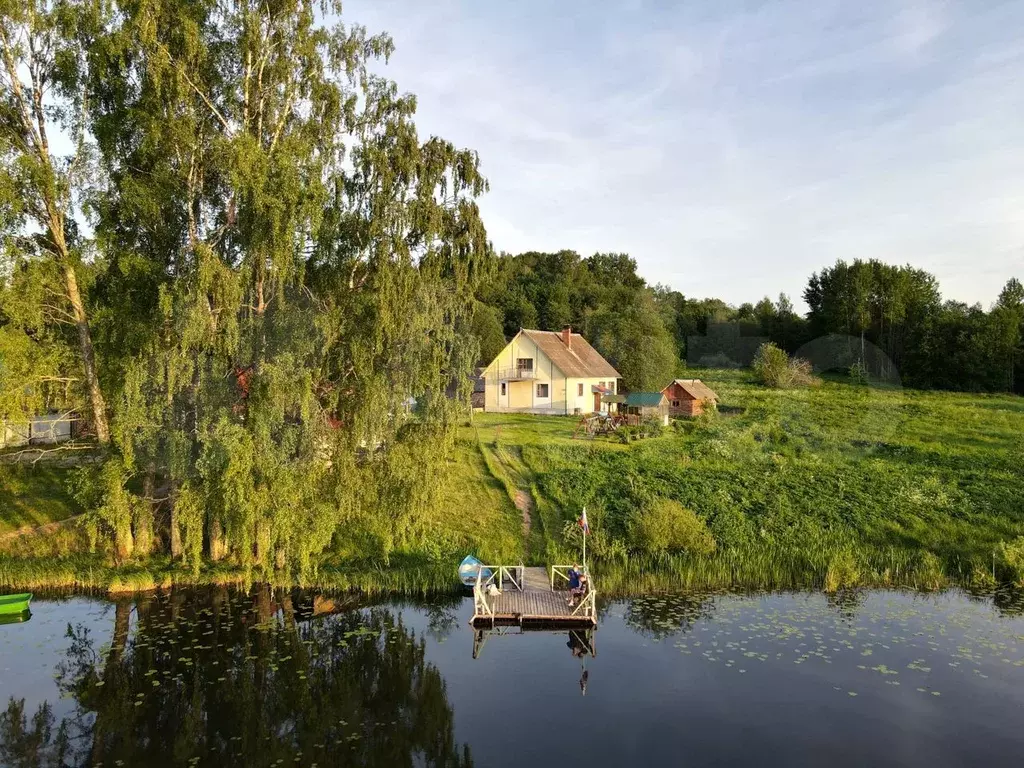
[(228, 679)]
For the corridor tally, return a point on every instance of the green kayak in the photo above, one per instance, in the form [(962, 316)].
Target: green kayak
[(12, 604)]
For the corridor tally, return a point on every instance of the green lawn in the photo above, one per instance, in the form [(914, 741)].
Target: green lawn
[(32, 496), (859, 480), (479, 515)]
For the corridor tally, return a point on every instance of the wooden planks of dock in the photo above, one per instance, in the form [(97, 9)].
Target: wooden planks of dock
[(534, 602)]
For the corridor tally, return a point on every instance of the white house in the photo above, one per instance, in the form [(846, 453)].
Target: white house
[(548, 372)]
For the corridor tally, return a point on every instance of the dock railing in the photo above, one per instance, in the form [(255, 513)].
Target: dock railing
[(587, 606), (482, 607)]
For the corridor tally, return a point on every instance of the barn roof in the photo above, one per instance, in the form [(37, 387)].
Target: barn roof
[(577, 361), (696, 388), (644, 399)]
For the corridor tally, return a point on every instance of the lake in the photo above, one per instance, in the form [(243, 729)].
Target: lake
[(222, 678)]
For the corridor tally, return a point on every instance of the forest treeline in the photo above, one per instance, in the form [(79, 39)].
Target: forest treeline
[(227, 249), (893, 321)]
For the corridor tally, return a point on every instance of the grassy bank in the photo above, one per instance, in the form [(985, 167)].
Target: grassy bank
[(94, 573), (832, 486), (829, 486), (31, 496)]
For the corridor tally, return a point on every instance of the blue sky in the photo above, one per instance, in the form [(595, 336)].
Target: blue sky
[(732, 148)]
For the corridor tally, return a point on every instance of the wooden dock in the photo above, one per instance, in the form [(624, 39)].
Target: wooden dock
[(530, 596)]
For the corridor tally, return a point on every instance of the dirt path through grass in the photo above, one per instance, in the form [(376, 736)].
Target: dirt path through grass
[(507, 463), (524, 503)]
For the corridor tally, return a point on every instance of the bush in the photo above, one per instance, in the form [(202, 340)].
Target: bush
[(843, 571), (858, 374), (1012, 556), (774, 368), (929, 572), (663, 525), (652, 427)]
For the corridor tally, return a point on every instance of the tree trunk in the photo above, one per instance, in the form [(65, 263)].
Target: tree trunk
[(217, 547), (92, 381), (176, 549), (144, 530), (104, 727), (144, 513), (263, 543), (124, 542)]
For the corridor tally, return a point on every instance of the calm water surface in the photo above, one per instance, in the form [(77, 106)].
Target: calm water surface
[(223, 678)]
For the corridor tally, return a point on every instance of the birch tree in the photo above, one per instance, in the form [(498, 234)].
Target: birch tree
[(43, 104)]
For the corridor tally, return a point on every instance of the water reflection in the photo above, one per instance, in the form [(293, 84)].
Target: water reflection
[(865, 677), (223, 679), (663, 615)]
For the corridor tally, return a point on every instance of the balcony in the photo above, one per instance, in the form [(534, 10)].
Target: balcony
[(516, 374)]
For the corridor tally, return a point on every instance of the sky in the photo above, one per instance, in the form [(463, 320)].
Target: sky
[(733, 147)]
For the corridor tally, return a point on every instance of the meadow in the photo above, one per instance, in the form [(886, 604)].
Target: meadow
[(825, 487), (831, 486)]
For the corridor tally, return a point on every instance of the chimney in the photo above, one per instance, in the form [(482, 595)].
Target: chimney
[(567, 336)]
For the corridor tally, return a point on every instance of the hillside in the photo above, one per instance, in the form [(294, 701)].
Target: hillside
[(837, 483), (830, 486)]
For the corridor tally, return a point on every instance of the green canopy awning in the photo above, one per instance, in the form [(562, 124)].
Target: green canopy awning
[(644, 399)]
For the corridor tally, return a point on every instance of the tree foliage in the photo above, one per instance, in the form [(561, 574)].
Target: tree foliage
[(43, 94), (287, 266)]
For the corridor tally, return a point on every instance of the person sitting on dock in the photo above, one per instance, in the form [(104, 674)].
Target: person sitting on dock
[(577, 584)]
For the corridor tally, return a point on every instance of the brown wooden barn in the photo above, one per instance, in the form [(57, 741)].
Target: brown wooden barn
[(687, 397)]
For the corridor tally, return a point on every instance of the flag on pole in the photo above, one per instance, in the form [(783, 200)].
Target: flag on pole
[(583, 522)]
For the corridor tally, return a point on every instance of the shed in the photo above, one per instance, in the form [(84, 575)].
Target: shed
[(615, 403), (647, 405), (689, 397), (50, 428)]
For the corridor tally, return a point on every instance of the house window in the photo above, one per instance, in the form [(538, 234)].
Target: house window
[(579, 390), (503, 389), (600, 384), (675, 403), (542, 390), (524, 363)]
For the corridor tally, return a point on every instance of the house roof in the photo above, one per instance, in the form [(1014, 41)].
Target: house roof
[(696, 388), (644, 399), (581, 361)]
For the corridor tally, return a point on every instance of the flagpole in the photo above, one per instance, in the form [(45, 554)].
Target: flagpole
[(585, 540)]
